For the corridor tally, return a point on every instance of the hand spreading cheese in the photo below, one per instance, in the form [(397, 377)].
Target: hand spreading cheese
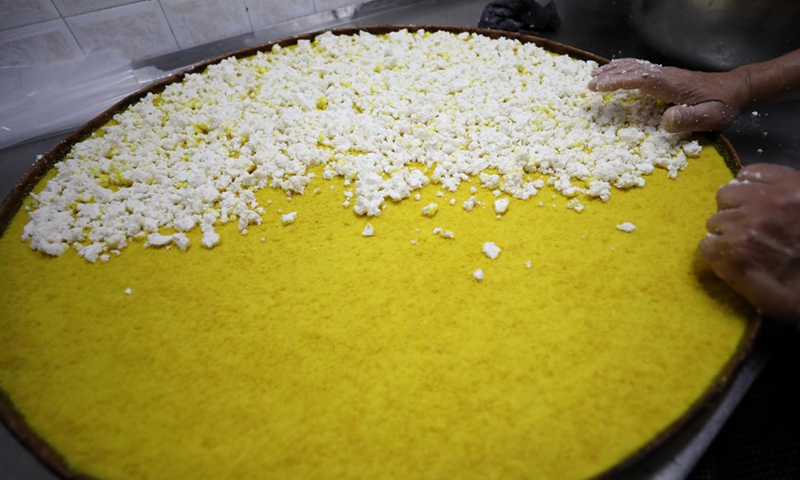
[(754, 238), (704, 101)]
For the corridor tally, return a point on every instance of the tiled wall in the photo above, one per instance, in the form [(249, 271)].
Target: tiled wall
[(45, 31)]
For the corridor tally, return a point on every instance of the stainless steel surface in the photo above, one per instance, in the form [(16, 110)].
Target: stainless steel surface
[(600, 26), (718, 34)]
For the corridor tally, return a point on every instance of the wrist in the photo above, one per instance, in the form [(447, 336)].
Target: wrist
[(739, 83), (771, 81)]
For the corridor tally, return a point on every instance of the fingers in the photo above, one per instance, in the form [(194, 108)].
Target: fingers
[(716, 252), (737, 193), (703, 117), (734, 202), (757, 283), (752, 241), (625, 73), (702, 101), (764, 173), (722, 221)]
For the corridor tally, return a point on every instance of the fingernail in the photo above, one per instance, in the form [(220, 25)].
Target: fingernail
[(672, 119)]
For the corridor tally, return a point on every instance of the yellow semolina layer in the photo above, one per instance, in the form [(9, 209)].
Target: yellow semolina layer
[(310, 351)]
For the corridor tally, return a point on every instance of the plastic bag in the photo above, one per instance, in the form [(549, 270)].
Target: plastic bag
[(42, 100)]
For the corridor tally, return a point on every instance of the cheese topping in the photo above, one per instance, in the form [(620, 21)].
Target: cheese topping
[(389, 114), (491, 250)]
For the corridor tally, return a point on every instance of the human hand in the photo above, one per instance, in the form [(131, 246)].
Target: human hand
[(702, 101), (754, 239)]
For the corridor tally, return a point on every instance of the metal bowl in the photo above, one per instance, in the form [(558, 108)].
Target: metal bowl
[(718, 34)]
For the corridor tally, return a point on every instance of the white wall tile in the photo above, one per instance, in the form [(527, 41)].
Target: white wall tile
[(139, 30), (265, 13), (195, 22), (37, 44), (70, 8), (326, 5), (17, 13)]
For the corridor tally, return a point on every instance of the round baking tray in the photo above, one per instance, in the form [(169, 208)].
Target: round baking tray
[(11, 205)]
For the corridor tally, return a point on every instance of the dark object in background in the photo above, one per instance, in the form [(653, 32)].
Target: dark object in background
[(524, 16), (717, 35)]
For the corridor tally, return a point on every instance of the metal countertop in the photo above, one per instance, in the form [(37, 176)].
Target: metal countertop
[(599, 26)]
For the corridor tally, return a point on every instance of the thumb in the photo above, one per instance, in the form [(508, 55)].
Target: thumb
[(703, 117)]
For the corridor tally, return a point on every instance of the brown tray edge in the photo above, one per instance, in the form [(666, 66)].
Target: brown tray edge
[(704, 404), (47, 455), (723, 381)]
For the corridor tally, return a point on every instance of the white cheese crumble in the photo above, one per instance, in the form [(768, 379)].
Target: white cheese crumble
[(478, 275), (430, 210), (692, 149), (626, 227), (158, 240), (576, 205), (444, 233), (491, 250), (501, 206), (387, 114), (128, 291), (289, 218), (471, 203), (368, 231)]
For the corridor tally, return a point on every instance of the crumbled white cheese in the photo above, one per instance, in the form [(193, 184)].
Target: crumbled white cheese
[(478, 275), (128, 291), (444, 233), (626, 227), (528, 264), (491, 250), (575, 204), (158, 240), (210, 238), (181, 240), (289, 218), (430, 210), (368, 231), (471, 203), (501, 206), (490, 181), (387, 114), (692, 149)]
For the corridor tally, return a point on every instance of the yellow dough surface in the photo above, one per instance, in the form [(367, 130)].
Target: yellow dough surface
[(309, 350)]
